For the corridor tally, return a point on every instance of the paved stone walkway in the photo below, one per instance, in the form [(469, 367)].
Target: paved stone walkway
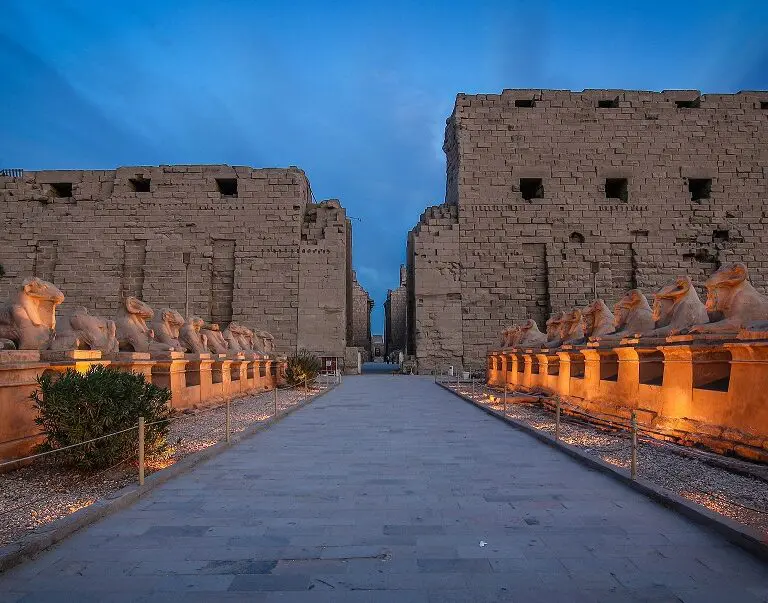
[(391, 489)]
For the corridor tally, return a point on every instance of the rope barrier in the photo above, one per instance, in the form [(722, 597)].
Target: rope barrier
[(47, 452), (168, 420), (622, 433)]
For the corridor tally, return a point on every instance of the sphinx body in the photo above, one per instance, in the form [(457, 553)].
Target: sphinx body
[(28, 320), (166, 325), (676, 307), (529, 334), (133, 333), (242, 334), (233, 340), (571, 328), (80, 330), (509, 336), (553, 330), (267, 341), (631, 315), (191, 338), (730, 293), (214, 338), (597, 319)]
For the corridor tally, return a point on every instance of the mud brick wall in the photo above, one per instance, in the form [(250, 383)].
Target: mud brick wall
[(100, 235), (549, 186)]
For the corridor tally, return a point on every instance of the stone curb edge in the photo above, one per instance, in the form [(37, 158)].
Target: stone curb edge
[(46, 536), (743, 536)]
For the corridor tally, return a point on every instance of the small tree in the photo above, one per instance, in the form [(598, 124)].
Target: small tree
[(75, 407), (302, 366)]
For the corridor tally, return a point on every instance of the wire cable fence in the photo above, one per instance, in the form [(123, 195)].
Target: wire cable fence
[(37, 489), (734, 488)]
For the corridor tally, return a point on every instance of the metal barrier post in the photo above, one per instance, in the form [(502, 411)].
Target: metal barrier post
[(141, 451), (473, 385), (505, 398), (633, 464), (275, 390), (557, 420), (228, 421), (306, 387)]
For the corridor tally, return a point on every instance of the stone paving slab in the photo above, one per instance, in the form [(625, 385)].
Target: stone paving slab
[(391, 489)]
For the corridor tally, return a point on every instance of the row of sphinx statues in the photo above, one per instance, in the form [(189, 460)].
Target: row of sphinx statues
[(28, 321), (732, 305)]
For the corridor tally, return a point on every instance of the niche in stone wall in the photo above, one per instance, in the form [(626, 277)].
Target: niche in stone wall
[(535, 277), (623, 264), (46, 258), (222, 281), (134, 258)]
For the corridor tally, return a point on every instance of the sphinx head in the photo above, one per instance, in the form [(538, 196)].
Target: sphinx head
[(41, 290), (133, 305), (667, 296), (553, 324), (723, 284)]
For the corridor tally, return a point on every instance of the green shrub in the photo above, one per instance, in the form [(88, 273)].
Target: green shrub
[(74, 407), (302, 365)]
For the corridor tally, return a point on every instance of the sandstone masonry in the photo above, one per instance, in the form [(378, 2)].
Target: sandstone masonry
[(553, 196), (395, 312), (362, 304), (258, 250)]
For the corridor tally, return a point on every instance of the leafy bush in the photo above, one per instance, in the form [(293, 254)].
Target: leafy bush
[(302, 365), (74, 407)]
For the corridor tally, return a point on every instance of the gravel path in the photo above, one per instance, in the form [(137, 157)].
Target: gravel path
[(740, 493), (43, 492)]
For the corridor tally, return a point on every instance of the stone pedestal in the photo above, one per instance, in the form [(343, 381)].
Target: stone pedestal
[(134, 362), (168, 371), (221, 376), (19, 370)]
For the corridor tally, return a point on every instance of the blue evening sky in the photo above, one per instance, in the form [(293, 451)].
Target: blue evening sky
[(355, 93)]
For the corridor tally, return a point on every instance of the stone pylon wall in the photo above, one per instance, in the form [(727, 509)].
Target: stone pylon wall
[(362, 304), (522, 248), (396, 311), (264, 256)]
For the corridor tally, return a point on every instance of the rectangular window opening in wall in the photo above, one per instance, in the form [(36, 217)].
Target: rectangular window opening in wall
[(577, 366), (520, 364), (262, 370), (764, 105), (249, 371), (525, 103), (531, 188), (617, 188), (609, 367), (140, 185), (712, 371), (227, 186), (192, 374), (553, 365), (700, 188), (234, 372), (720, 236), (61, 189), (651, 367), (689, 104), (534, 365), (611, 103)]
